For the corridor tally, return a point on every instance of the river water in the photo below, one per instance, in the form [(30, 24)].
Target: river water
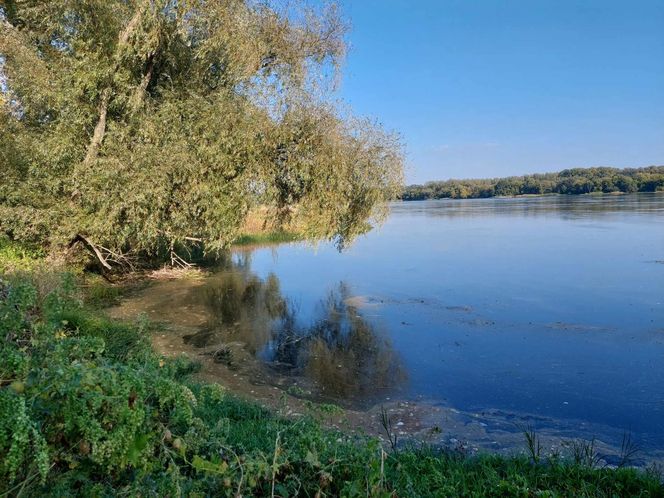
[(543, 309)]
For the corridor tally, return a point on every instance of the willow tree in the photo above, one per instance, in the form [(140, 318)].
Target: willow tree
[(139, 125)]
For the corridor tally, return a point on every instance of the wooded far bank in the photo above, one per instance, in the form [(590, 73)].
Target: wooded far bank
[(568, 181)]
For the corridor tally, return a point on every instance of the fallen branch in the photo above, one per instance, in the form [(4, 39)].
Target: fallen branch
[(93, 248), (118, 258), (176, 260)]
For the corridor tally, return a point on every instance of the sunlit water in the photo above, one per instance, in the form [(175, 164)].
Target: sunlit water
[(551, 307)]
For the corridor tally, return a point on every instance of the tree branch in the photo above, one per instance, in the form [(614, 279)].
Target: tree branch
[(139, 93), (92, 247), (100, 127)]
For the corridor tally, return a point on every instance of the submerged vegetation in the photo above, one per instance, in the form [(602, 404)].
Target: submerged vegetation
[(569, 181), (87, 408)]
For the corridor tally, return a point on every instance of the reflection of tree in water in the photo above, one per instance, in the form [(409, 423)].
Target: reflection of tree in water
[(340, 350), (242, 309)]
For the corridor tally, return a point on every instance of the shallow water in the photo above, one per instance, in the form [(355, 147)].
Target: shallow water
[(545, 309)]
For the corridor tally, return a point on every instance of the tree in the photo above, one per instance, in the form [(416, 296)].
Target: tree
[(531, 185), (574, 181), (146, 125)]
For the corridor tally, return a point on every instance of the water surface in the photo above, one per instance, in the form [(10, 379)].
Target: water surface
[(548, 309)]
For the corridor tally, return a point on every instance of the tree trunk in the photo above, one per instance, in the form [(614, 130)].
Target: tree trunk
[(139, 94), (100, 127)]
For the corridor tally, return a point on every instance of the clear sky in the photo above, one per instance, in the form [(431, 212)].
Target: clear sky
[(483, 88)]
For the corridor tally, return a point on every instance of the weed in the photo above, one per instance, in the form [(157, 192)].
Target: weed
[(386, 422), (628, 449), (583, 453), (297, 391), (533, 444)]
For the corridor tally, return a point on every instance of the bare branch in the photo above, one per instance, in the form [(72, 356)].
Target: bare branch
[(92, 247)]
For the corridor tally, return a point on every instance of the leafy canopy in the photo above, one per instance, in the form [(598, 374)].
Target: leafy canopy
[(150, 124)]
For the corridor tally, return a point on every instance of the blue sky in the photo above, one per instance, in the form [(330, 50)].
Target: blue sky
[(483, 88)]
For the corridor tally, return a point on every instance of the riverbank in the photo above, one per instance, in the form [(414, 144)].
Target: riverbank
[(447, 341), (87, 407), (110, 406), (576, 181), (231, 356)]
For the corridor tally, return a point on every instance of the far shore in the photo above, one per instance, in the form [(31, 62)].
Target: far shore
[(527, 196)]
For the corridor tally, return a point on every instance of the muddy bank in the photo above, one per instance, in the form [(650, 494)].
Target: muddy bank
[(229, 354)]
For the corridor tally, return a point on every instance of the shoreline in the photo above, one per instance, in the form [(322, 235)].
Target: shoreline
[(530, 196), (196, 433), (418, 421)]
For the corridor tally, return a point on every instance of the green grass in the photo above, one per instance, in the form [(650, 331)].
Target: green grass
[(266, 238), (99, 293), (16, 257), (88, 409)]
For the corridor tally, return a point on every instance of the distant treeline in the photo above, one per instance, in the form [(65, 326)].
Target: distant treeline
[(569, 181)]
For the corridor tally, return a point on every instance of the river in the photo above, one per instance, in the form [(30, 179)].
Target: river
[(545, 311)]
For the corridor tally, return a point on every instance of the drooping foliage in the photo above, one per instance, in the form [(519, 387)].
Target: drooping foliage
[(143, 125)]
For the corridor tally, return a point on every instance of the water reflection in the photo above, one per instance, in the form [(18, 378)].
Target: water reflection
[(341, 350), (345, 356), (555, 206), (517, 307)]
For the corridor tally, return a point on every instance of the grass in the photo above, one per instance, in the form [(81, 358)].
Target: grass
[(257, 231), (18, 257), (99, 293), (266, 238), (88, 409)]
